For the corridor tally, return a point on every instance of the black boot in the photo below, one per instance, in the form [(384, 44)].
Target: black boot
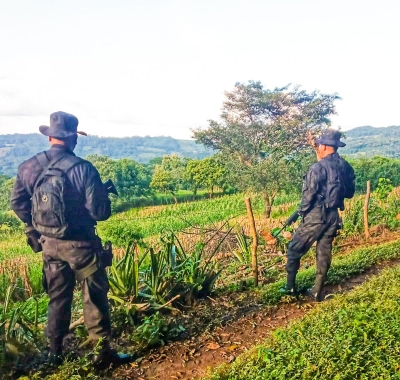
[(290, 288), (55, 354), (316, 291), (104, 356)]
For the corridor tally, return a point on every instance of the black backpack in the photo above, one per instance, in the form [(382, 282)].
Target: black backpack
[(335, 186), (49, 196)]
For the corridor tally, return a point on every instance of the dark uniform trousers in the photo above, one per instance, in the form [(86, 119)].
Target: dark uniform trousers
[(318, 225), (62, 260)]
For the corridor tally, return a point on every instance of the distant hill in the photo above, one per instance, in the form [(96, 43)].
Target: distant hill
[(362, 141), (369, 141), (18, 147)]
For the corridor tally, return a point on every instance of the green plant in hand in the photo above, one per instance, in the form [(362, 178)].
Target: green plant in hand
[(281, 241)]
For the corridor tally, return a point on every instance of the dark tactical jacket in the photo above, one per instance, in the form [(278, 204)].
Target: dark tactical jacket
[(90, 199), (315, 182)]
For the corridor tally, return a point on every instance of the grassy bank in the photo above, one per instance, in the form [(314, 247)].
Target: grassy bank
[(342, 267), (354, 336)]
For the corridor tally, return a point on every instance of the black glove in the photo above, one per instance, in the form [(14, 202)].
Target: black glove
[(32, 239)]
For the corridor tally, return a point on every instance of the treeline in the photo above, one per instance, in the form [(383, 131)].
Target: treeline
[(171, 174), (362, 141), (16, 148), (372, 169), (142, 184), (168, 175)]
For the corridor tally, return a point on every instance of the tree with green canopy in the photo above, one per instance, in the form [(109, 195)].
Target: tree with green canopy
[(130, 178), (263, 132), (207, 173), (169, 175)]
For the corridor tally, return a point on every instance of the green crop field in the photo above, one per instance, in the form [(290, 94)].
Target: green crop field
[(354, 336), (148, 221), (144, 272)]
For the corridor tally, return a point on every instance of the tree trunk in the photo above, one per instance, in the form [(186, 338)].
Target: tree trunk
[(175, 198), (254, 261), (267, 205), (268, 202), (212, 191)]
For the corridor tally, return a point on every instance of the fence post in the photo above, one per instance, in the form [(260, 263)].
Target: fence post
[(366, 203), (254, 263)]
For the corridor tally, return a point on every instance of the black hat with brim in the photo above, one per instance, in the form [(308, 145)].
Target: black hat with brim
[(331, 137), (62, 125)]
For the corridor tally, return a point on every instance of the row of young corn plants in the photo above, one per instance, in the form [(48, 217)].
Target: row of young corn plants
[(354, 336), (19, 266), (146, 222)]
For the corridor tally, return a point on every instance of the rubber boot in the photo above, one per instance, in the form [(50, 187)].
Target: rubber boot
[(316, 290), (290, 288), (55, 354), (105, 356)]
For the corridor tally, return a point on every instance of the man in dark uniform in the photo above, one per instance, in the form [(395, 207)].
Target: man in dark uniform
[(325, 186), (75, 256)]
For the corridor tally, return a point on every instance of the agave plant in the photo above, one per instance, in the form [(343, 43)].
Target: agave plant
[(197, 269), (166, 270), (243, 253), (161, 276), (124, 275)]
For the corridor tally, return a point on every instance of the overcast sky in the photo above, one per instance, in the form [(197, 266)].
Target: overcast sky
[(160, 67)]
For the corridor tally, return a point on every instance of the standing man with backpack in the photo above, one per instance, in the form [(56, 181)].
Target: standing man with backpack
[(60, 197), (326, 185)]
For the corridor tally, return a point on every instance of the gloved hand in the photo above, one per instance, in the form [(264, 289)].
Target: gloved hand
[(32, 239)]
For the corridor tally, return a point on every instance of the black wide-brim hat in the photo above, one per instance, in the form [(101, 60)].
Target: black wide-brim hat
[(331, 137), (62, 125)]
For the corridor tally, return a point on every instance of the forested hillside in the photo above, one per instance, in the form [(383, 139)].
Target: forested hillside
[(18, 147), (369, 141), (362, 141)]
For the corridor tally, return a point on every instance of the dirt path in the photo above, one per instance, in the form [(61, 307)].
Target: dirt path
[(191, 358)]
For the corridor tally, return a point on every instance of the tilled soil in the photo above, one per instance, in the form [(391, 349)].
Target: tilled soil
[(191, 358)]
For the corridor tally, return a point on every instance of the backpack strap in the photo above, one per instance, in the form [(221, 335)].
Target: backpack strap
[(43, 160), (326, 195), (46, 164), (67, 162)]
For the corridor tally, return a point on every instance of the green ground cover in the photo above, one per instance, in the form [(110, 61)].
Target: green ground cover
[(342, 267), (353, 336)]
